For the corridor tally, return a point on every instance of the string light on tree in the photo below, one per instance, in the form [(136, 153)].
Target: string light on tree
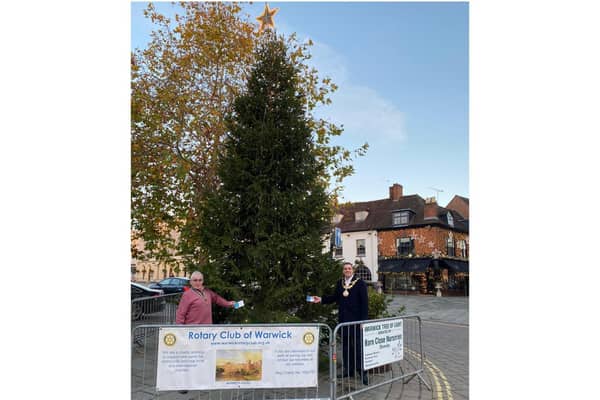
[(266, 18)]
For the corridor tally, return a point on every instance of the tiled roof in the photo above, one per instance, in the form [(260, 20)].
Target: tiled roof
[(380, 215), (466, 200)]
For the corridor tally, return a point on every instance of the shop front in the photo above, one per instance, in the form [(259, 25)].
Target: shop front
[(420, 275), (458, 277)]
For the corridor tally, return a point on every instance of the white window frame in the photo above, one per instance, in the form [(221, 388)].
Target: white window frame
[(358, 247), (400, 240), (338, 252), (450, 244), (450, 219), (462, 246)]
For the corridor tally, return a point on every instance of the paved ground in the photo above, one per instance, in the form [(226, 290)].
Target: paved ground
[(445, 334)]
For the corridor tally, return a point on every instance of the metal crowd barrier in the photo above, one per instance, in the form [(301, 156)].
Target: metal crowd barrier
[(144, 364), (348, 378), (152, 310), (341, 356)]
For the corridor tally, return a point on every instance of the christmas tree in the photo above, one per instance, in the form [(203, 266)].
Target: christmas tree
[(262, 229)]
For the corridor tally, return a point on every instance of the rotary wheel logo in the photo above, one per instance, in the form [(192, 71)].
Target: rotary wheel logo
[(170, 339), (308, 338)]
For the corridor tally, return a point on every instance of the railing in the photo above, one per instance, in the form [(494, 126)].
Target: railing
[(356, 358), (207, 371), (152, 310), (370, 354)]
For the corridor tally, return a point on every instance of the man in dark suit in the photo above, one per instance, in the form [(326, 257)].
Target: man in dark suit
[(353, 305)]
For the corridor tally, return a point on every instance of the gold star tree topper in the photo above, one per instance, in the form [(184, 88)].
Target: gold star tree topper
[(266, 18)]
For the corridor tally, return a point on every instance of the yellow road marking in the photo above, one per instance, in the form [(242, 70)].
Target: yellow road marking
[(438, 387), (444, 380), (446, 383), (432, 370)]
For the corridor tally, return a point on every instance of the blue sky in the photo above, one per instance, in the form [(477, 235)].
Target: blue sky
[(402, 71)]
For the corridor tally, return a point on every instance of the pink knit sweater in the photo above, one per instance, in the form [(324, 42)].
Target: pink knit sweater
[(197, 309)]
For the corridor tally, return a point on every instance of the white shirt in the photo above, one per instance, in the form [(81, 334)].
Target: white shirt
[(347, 281)]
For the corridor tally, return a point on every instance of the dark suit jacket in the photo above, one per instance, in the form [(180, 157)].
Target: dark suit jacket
[(355, 307)]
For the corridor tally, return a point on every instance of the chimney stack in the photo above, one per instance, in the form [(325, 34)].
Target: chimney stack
[(431, 208), (395, 192)]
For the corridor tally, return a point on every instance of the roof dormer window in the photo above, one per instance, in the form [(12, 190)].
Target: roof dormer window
[(400, 218), (360, 216), (337, 218), (450, 219)]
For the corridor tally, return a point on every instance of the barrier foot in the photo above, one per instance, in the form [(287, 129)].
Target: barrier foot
[(404, 382), (423, 380)]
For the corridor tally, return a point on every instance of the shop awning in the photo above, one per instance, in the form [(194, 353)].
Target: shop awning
[(404, 265), (455, 265), (390, 265)]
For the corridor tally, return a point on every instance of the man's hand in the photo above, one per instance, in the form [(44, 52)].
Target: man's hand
[(316, 299)]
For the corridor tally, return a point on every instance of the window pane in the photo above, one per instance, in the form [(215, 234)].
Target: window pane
[(404, 218), (360, 247), (404, 246), (400, 218), (450, 247)]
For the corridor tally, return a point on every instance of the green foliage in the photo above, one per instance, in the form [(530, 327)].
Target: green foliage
[(261, 229), (183, 86), (378, 304)]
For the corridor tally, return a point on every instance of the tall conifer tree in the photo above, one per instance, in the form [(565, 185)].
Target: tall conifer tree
[(262, 229)]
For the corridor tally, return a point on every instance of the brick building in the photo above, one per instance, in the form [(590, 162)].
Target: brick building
[(459, 204), (408, 243)]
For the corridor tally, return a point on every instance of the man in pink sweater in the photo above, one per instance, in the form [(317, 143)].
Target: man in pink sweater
[(195, 306)]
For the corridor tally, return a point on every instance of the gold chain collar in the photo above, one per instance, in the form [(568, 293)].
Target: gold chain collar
[(350, 285), (345, 293)]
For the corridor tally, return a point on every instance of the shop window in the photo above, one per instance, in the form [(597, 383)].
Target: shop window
[(405, 281), (361, 250)]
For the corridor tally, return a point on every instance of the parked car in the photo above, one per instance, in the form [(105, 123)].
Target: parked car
[(172, 285), (151, 301)]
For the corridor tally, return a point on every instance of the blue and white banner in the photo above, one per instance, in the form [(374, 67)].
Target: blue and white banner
[(383, 343), (338, 237), (204, 358)]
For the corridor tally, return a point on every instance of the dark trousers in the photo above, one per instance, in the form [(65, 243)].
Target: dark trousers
[(351, 349)]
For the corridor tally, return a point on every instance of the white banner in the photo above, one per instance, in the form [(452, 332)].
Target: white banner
[(200, 358), (383, 343)]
